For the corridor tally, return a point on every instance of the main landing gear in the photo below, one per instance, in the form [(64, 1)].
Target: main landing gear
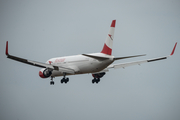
[(96, 80), (97, 77), (64, 79)]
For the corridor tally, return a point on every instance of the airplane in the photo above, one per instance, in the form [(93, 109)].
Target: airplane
[(96, 64)]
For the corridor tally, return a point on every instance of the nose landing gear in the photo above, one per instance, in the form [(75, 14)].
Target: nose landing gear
[(51, 82), (63, 80)]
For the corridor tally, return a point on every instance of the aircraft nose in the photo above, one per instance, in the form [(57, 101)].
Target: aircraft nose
[(41, 74)]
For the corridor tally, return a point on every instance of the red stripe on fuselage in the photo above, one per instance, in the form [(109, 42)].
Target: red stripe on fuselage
[(106, 50)]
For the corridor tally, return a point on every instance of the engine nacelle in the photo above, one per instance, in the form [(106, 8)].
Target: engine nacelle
[(45, 73), (98, 75)]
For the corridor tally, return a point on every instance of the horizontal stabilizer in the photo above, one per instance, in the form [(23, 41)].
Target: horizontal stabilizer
[(96, 57)]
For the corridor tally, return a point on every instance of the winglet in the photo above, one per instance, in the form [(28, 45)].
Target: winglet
[(7, 48), (173, 49)]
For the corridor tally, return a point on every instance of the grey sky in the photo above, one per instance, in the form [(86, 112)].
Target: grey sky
[(39, 30)]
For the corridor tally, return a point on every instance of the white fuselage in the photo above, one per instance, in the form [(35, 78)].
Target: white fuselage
[(80, 64)]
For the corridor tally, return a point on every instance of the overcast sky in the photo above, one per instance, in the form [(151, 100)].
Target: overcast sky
[(41, 29)]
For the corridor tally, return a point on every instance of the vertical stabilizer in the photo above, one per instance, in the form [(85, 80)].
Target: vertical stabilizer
[(107, 49)]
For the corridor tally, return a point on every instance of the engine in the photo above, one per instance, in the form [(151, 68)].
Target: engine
[(45, 73), (98, 75)]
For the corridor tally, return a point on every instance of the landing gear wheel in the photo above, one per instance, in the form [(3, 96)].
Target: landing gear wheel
[(52, 83), (94, 80), (64, 80), (97, 80)]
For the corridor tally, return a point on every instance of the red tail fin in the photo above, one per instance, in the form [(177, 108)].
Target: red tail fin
[(107, 49)]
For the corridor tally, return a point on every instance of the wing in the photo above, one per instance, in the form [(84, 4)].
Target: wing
[(116, 58), (119, 58), (38, 64), (123, 65)]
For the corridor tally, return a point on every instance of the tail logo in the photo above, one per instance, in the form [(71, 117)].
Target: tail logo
[(110, 36), (50, 62)]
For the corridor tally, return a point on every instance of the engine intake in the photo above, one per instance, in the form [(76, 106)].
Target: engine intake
[(45, 73)]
